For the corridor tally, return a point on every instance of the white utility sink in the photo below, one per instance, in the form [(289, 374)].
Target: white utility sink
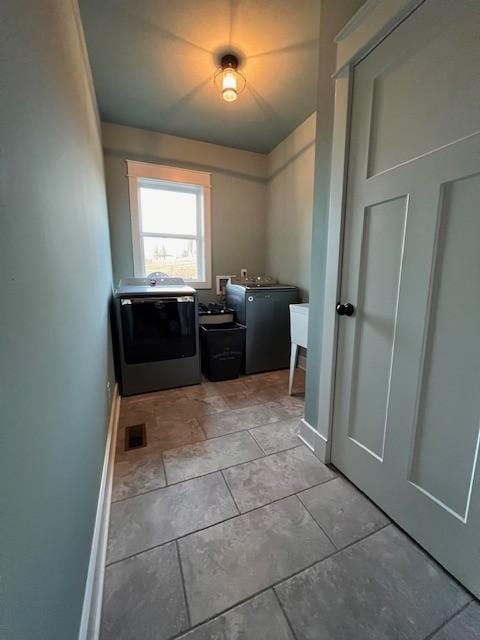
[(299, 335)]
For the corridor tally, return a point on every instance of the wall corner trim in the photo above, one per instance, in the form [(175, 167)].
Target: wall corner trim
[(92, 602), (314, 440)]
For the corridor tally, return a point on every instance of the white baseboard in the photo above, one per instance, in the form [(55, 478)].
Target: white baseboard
[(314, 441), (302, 362), (92, 602)]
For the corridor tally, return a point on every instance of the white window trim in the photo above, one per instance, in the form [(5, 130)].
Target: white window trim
[(145, 171)]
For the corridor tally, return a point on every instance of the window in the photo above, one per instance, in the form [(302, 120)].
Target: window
[(170, 211)]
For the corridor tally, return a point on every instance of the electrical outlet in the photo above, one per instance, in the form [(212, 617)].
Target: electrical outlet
[(109, 391), (243, 273)]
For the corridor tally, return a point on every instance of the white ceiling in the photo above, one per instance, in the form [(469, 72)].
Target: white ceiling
[(153, 62)]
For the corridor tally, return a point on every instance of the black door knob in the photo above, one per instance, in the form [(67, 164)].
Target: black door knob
[(345, 309)]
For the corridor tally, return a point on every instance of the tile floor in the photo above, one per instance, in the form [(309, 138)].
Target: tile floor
[(226, 527)]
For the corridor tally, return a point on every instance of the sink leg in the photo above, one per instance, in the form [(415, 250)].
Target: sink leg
[(293, 364)]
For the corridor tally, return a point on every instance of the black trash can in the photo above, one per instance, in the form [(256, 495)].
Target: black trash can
[(223, 346)]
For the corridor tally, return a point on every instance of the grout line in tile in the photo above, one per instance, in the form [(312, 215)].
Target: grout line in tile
[(230, 492), (237, 464), (182, 578), (134, 495), (229, 410), (264, 455), (275, 584), (224, 435), (433, 633), (253, 436), (250, 431), (256, 426), (185, 444), (164, 470), (289, 495), (201, 429), (143, 493), (237, 515), (313, 517), (287, 619), (229, 433), (263, 424), (156, 395)]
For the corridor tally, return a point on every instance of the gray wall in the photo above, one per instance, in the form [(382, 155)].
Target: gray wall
[(334, 15), (238, 196), (56, 283), (290, 207)]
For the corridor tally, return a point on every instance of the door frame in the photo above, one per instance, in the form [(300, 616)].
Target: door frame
[(374, 21)]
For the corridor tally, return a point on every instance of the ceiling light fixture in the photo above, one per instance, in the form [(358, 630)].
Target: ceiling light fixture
[(228, 79)]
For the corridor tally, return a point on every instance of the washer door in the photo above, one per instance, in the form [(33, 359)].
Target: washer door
[(158, 328)]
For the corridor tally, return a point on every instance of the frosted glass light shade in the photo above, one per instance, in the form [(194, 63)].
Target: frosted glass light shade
[(229, 83)]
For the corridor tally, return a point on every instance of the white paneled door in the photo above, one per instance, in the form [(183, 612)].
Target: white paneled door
[(407, 394)]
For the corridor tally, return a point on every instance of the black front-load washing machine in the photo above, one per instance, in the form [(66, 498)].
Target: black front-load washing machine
[(157, 334)]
